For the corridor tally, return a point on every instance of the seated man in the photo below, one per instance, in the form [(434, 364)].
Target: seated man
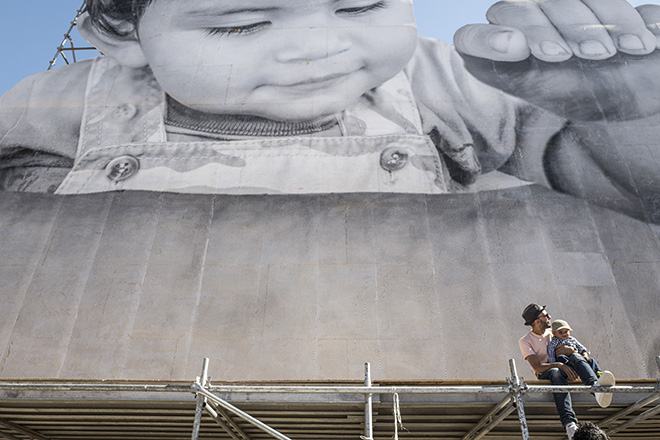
[(534, 348)]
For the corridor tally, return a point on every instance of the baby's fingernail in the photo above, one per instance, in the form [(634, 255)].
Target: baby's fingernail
[(551, 48), (593, 48), (631, 42), (500, 41)]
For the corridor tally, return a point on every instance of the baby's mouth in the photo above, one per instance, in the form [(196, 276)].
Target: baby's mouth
[(319, 82)]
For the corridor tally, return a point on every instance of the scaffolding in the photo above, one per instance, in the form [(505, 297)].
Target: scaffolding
[(67, 45), (516, 389), (233, 421)]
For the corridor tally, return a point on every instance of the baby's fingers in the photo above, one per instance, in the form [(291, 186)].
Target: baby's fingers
[(498, 43), (625, 26), (544, 40), (557, 29), (651, 16)]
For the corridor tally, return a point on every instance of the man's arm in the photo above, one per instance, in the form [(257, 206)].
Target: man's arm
[(542, 367), (551, 351)]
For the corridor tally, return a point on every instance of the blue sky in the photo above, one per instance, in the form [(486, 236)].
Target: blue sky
[(31, 30)]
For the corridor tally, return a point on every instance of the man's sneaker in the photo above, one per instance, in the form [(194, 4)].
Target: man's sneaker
[(570, 430), (606, 380)]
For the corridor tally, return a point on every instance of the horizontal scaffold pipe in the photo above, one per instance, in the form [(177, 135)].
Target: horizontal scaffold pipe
[(632, 389), (644, 389), (313, 389), (91, 387)]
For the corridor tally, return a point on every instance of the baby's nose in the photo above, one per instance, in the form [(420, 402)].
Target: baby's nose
[(312, 44)]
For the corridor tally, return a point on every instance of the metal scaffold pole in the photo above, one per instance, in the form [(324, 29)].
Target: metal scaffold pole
[(517, 387), (368, 406), (201, 400)]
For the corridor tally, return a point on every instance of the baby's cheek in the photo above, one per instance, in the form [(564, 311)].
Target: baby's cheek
[(392, 58)]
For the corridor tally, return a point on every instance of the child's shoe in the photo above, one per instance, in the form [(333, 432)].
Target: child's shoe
[(606, 380), (570, 430)]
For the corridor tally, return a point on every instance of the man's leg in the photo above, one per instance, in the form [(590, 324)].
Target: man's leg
[(562, 400)]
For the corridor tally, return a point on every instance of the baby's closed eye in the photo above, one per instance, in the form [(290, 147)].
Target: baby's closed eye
[(359, 10), (238, 30)]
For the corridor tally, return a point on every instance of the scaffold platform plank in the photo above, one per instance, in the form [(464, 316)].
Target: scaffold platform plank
[(132, 415)]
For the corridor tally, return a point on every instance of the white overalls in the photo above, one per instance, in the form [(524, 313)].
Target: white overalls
[(123, 146)]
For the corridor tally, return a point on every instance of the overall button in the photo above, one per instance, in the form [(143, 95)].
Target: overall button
[(125, 112), (392, 159), (121, 168)]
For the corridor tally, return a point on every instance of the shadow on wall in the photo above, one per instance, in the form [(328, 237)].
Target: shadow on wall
[(139, 285)]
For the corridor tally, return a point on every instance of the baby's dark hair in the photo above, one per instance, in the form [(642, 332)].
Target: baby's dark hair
[(589, 431), (117, 17)]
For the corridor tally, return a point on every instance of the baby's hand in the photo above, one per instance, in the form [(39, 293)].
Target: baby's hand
[(564, 350), (588, 59)]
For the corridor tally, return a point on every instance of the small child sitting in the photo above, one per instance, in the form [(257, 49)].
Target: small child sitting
[(561, 335)]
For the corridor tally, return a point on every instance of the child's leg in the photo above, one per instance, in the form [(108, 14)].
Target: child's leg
[(594, 366), (582, 368), (563, 359)]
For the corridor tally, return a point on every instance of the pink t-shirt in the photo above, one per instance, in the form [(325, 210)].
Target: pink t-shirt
[(532, 343)]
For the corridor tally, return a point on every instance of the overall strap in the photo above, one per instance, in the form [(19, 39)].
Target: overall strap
[(122, 105)]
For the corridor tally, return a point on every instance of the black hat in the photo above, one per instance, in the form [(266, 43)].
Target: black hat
[(532, 312)]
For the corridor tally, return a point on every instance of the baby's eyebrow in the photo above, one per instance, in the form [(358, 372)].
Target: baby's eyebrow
[(219, 12), (222, 13)]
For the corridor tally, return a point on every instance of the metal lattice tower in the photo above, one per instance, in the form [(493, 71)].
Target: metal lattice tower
[(68, 46)]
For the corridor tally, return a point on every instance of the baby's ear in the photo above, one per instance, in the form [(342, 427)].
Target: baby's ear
[(125, 50)]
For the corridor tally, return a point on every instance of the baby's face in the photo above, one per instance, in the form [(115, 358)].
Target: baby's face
[(278, 59), (562, 333)]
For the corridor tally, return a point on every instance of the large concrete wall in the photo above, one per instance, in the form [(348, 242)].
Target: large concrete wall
[(292, 191), (140, 285)]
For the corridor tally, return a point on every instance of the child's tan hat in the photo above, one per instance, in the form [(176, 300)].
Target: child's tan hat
[(559, 324)]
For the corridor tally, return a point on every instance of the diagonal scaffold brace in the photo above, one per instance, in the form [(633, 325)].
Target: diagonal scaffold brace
[(203, 395)]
